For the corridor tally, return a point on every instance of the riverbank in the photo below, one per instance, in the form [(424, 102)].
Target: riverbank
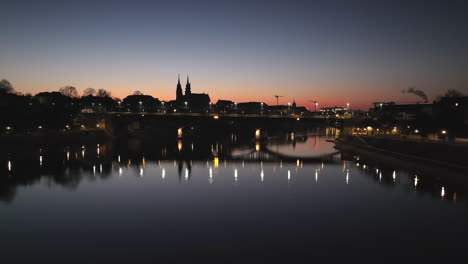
[(427, 157)]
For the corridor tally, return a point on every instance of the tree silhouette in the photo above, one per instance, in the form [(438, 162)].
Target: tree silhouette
[(89, 91), (69, 91), (103, 93), (137, 93), (6, 87), (451, 93)]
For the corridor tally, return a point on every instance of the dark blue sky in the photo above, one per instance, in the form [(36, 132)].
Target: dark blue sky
[(330, 51)]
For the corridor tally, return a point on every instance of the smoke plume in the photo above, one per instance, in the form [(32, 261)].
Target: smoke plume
[(417, 92)]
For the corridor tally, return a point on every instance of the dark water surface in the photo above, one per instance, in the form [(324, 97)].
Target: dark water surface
[(136, 201)]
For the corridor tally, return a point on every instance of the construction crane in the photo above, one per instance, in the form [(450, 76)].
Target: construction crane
[(278, 96)]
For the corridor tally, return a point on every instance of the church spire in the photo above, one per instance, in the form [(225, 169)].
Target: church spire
[(179, 94), (188, 90)]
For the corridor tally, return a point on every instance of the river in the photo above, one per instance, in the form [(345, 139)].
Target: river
[(138, 201)]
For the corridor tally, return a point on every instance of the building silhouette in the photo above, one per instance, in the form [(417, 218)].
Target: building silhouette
[(191, 102)]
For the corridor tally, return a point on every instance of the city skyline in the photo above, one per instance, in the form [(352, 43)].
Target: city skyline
[(330, 52), (143, 130)]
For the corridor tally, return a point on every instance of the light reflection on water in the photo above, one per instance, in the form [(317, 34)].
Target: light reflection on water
[(114, 165), (218, 202)]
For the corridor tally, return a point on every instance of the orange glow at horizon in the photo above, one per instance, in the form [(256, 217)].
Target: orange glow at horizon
[(326, 95)]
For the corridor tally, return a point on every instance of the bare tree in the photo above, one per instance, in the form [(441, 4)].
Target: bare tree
[(452, 93), (89, 91), (137, 93), (103, 93), (6, 87), (69, 91)]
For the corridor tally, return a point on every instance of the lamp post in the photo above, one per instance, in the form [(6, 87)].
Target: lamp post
[(316, 104)]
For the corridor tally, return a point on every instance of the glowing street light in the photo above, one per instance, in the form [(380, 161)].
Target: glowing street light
[(257, 133)]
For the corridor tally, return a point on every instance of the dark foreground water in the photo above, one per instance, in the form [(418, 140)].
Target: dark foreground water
[(134, 202)]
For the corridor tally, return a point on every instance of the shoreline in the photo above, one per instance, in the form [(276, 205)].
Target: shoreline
[(380, 154)]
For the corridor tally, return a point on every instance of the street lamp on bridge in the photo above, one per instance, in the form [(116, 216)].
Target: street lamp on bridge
[(315, 105)]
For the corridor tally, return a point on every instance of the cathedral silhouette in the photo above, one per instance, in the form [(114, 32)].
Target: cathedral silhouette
[(193, 102)]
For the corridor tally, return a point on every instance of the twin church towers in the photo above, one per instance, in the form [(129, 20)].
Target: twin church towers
[(196, 102), (188, 90)]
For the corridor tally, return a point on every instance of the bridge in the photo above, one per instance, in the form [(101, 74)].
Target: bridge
[(161, 124)]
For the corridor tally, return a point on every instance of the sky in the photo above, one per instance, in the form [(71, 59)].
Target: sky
[(332, 52)]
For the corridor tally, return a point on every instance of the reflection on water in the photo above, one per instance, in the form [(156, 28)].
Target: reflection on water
[(67, 168), (294, 183), (301, 146)]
